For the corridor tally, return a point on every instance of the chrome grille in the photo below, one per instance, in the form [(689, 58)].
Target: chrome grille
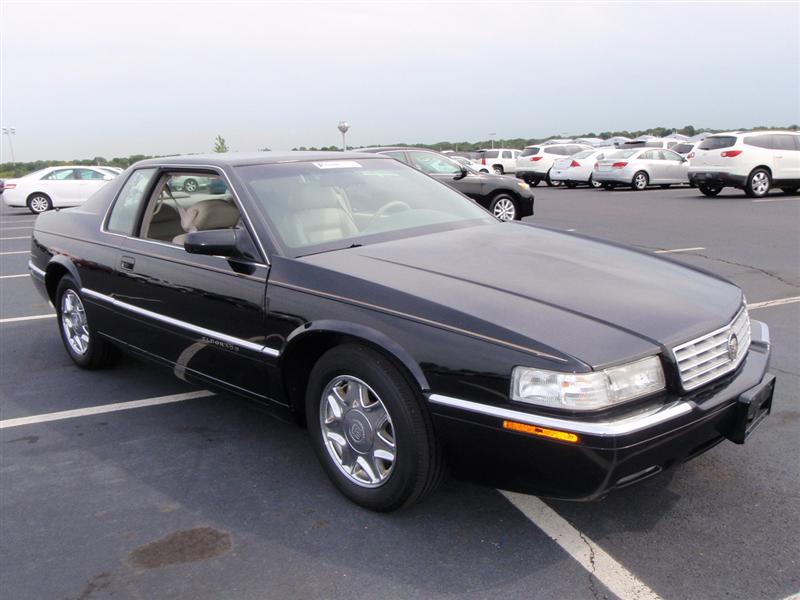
[(707, 357)]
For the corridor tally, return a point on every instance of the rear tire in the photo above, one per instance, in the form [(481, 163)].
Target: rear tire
[(640, 181), (758, 183), (39, 203), (190, 186), (84, 346), (550, 182), (709, 191), (571, 184), (594, 184), (498, 169), (380, 426)]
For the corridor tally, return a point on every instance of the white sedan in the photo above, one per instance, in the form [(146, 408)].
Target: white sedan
[(577, 169), (54, 187)]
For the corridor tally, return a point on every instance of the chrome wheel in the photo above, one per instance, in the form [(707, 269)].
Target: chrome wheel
[(760, 183), (593, 183), (357, 431), (39, 204), (73, 320), (640, 181), (504, 209), (497, 170), (190, 185)]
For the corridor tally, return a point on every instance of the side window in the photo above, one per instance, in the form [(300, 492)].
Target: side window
[(506, 153), (126, 208), (61, 175), (651, 155), (759, 141), (427, 162), (558, 150), (88, 174), (186, 202), (491, 154), (783, 141), (670, 155)]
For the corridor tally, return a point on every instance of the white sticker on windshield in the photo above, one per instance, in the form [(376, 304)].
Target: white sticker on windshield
[(337, 164)]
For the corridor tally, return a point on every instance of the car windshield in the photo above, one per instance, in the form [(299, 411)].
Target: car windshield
[(333, 204)]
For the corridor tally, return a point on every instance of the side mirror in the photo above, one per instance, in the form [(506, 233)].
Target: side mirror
[(230, 243), (464, 172), (108, 177)]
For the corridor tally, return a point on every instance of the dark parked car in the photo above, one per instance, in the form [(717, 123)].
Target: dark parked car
[(405, 326), (506, 197)]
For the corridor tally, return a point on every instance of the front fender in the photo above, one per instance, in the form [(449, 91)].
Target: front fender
[(362, 332)]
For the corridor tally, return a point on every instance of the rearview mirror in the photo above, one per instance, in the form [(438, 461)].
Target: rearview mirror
[(464, 172), (229, 243)]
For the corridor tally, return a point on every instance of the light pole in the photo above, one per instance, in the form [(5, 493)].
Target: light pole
[(491, 135), (9, 131), (343, 127)]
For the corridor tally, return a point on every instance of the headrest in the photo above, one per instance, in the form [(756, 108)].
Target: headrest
[(209, 214), (308, 197)]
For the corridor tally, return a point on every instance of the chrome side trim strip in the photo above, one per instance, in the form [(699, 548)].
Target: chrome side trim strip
[(35, 270), (143, 312), (601, 429)]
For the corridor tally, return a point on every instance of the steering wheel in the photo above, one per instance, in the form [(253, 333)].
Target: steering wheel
[(393, 205)]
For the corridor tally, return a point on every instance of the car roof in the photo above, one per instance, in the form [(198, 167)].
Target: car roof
[(754, 132), (238, 159), (375, 149)]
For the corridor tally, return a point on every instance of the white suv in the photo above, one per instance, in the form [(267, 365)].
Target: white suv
[(498, 160), (754, 161), (535, 162)]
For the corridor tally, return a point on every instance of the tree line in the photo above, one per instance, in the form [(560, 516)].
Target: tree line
[(17, 169)]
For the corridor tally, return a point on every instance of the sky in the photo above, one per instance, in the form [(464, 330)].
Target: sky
[(85, 79)]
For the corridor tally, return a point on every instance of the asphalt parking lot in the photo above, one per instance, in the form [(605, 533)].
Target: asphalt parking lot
[(211, 497)]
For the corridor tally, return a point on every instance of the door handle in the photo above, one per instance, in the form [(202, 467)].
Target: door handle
[(127, 263)]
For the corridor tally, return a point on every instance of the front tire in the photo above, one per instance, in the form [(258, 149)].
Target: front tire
[(84, 346), (39, 203), (594, 184), (640, 181), (758, 183), (503, 208), (498, 170), (370, 430), (709, 191)]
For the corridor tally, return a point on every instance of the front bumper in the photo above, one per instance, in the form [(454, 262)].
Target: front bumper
[(608, 454), (713, 178)]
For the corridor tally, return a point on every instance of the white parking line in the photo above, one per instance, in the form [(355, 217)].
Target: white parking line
[(588, 554), (778, 302), (7, 228), (31, 318), (18, 252), (103, 408), (13, 276), (776, 199), (678, 250), (22, 237)]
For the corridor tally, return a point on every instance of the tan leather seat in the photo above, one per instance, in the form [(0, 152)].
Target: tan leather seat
[(207, 214), (316, 215)]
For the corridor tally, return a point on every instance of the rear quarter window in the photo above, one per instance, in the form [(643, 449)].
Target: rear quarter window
[(489, 154), (530, 151), (125, 211)]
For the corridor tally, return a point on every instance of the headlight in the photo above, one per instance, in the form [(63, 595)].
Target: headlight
[(523, 185), (587, 391)]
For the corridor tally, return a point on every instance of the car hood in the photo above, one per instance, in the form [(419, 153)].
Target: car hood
[(594, 301)]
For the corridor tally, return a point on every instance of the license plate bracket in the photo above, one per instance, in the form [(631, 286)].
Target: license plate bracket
[(752, 408)]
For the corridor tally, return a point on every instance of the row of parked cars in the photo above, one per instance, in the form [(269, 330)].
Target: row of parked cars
[(71, 185), (754, 161)]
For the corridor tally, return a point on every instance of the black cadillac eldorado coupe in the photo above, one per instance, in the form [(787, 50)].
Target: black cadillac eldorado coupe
[(405, 326)]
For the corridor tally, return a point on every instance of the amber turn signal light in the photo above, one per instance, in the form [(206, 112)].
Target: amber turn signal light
[(564, 436)]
